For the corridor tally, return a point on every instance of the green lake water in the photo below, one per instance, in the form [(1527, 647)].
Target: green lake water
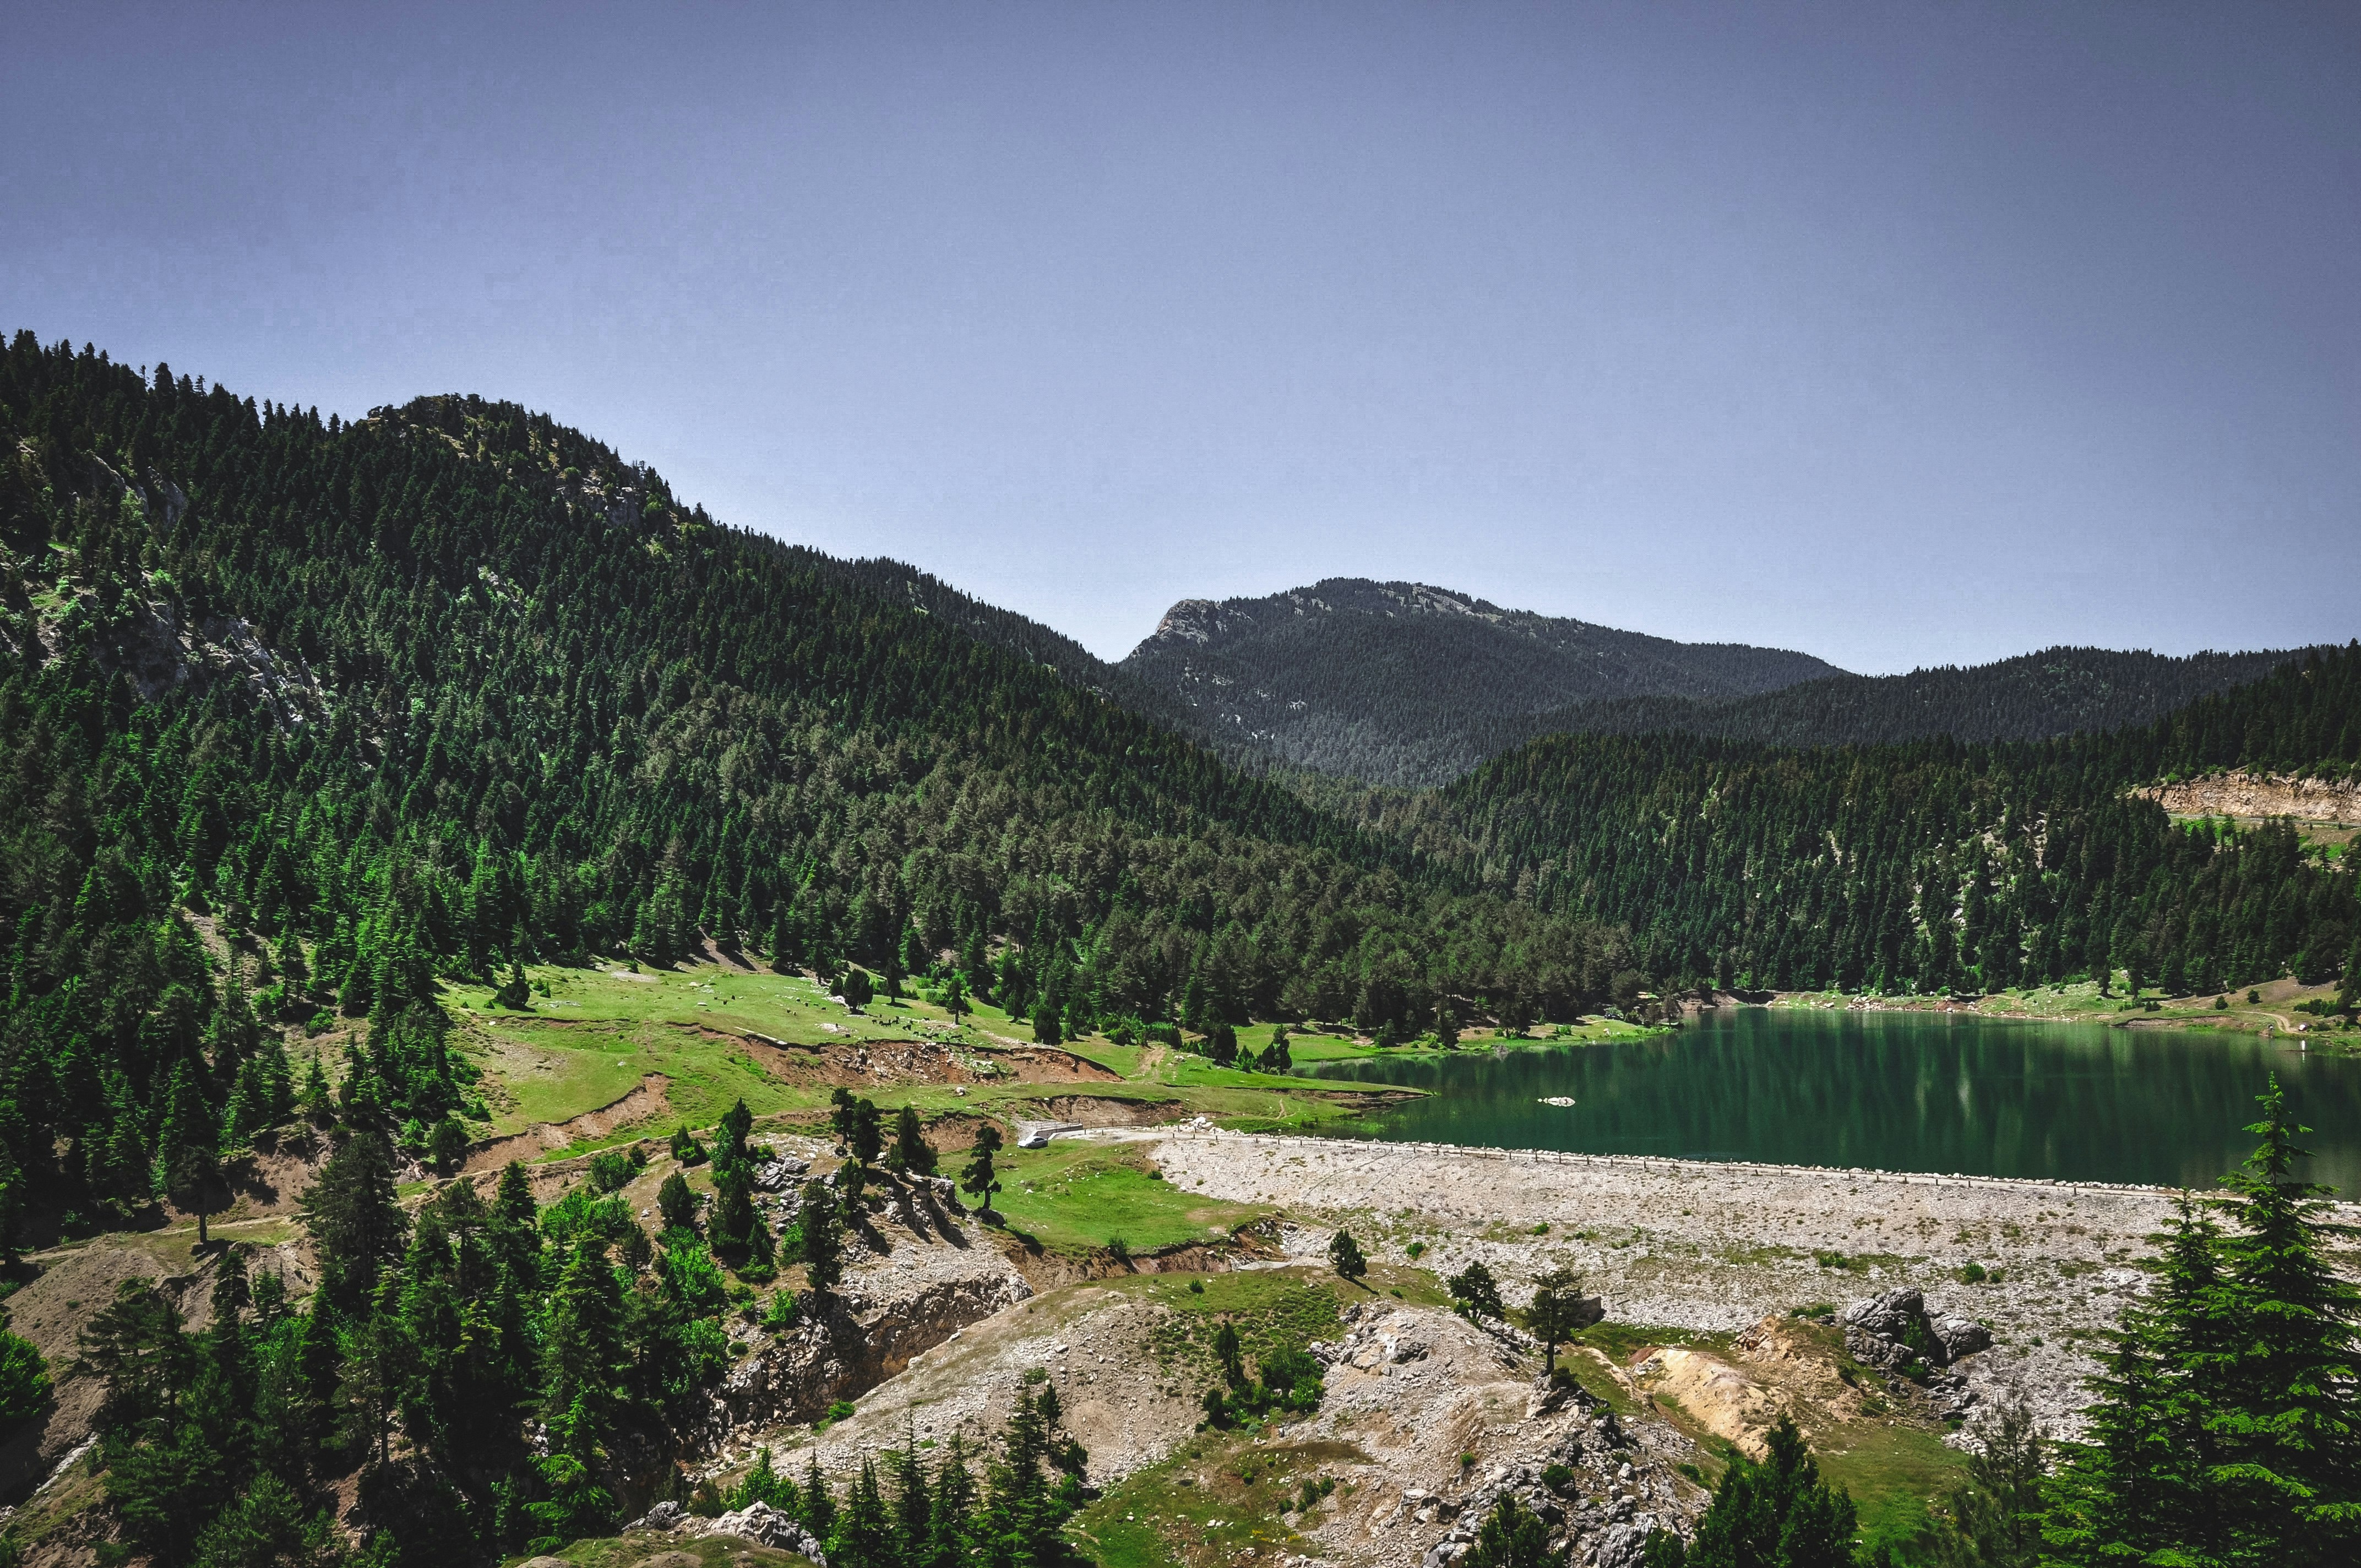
[(1888, 1091)]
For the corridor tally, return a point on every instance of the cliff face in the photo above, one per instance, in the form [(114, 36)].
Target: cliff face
[(2262, 794)]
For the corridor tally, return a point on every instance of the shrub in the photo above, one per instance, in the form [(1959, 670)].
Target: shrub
[(611, 1171), (676, 1203)]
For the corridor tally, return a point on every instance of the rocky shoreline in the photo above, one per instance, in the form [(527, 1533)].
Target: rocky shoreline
[(1714, 1248)]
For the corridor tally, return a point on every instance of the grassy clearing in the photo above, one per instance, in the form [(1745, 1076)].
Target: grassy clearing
[(1073, 1198), (1893, 1472), (1221, 1495), (711, 1551), (1333, 1047), (598, 1033), (1271, 1309)]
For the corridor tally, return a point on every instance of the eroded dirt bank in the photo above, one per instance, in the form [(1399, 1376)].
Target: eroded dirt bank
[(2261, 794)]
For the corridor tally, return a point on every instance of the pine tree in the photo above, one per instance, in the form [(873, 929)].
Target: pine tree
[(734, 1220), (1345, 1254), (1511, 1535), (822, 1227), (1994, 1520), (980, 1176), (585, 1356), (355, 1220), (819, 1507), (676, 1203), (914, 1503), (950, 1517), (865, 1531), (912, 1152), (2287, 1419), (1778, 1512), (736, 1122)]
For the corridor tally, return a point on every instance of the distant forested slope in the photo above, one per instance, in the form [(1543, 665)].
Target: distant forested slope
[(453, 685), (1933, 864), (1404, 684), (2035, 697)]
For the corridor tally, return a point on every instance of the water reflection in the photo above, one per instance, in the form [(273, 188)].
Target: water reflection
[(1890, 1091)]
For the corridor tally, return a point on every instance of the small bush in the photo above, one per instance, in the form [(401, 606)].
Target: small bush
[(1415, 1250), (1973, 1274)]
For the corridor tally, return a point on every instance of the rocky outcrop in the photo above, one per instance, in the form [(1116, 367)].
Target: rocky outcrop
[(758, 1523), (2261, 794), (1373, 1340), (1893, 1329), (1600, 1510), (916, 1299)]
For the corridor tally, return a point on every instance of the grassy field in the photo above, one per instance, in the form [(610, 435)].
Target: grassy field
[(1075, 1198), (1305, 1047), (590, 1036), (2273, 1009)]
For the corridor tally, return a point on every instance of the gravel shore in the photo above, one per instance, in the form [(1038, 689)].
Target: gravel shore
[(1717, 1247)]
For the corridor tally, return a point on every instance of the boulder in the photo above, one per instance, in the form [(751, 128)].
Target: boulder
[(778, 1175), (1961, 1336), (1887, 1316), (663, 1516), (1892, 1329), (766, 1526)]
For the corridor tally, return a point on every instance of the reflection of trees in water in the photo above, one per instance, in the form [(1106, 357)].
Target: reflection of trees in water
[(1889, 1091)]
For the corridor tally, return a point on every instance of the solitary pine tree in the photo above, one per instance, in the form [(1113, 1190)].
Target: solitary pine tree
[(1474, 1293), (911, 1151), (1345, 1253), (980, 1176)]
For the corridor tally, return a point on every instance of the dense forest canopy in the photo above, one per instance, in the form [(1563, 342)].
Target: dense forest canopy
[(1934, 864), (452, 688)]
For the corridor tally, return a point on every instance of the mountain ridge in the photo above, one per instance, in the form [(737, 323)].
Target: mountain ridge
[(1408, 685)]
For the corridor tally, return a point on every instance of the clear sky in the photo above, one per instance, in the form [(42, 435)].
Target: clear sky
[(1899, 335)]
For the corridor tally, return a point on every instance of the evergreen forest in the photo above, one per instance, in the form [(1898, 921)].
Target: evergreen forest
[(1934, 865)]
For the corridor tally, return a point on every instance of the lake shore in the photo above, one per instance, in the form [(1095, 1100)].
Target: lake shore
[(1711, 1248)]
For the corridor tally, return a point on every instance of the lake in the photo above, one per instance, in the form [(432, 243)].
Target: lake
[(1890, 1092)]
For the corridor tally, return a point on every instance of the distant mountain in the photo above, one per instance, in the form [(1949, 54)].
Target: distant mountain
[(2034, 697), (1408, 684)]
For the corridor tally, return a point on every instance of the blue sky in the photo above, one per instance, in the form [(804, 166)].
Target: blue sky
[(1900, 334)]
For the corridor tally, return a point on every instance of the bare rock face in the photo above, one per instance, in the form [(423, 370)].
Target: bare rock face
[(1889, 1331), (780, 1173), (757, 1522)]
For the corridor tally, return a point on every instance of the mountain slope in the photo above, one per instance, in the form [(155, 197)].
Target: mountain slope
[(1933, 864), (1406, 684), (2059, 691)]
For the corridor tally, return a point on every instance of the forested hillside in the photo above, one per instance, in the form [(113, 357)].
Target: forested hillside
[(2035, 697), (1934, 864), (1404, 684), (453, 686)]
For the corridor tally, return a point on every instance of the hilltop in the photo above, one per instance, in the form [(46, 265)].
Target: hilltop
[(1408, 683)]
